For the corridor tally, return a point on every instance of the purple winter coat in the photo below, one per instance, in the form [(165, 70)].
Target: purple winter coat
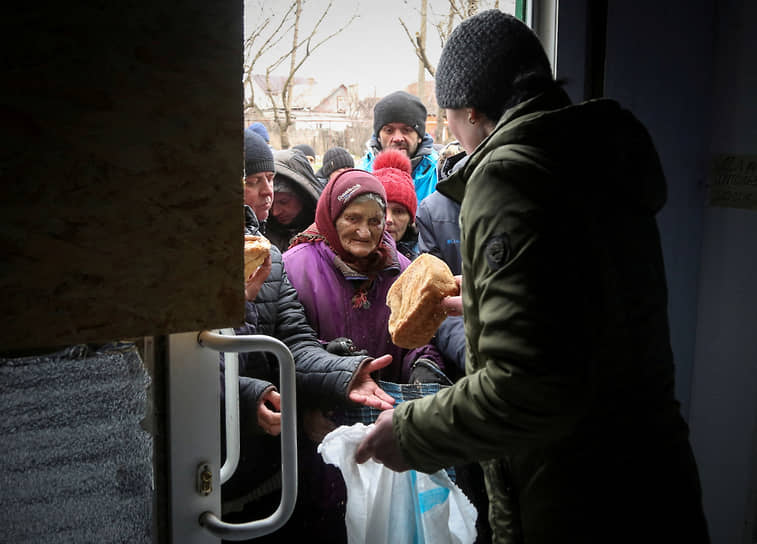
[(326, 294)]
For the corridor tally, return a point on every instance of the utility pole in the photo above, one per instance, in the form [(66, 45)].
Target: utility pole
[(421, 38)]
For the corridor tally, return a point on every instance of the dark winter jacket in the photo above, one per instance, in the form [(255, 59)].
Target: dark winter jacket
[(423, 163), (408, 244), (439, 230), (322, 378), (568, 400)]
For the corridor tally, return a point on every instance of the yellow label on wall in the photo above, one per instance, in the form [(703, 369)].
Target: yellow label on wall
[(733, 181)]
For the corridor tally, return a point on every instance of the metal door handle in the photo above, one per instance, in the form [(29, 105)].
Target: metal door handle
[(287, 382), (231, 410)]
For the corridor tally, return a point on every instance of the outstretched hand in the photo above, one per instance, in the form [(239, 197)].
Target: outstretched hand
[(364, 390), (454, 305), (381, 445)]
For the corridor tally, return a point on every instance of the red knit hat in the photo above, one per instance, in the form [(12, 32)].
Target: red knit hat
[(392, 167)]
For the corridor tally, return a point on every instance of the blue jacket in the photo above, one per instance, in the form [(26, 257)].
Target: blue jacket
[(424, 164), (437, 221)]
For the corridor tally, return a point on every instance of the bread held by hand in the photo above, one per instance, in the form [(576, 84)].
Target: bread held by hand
[(414, 300), (256, 249)]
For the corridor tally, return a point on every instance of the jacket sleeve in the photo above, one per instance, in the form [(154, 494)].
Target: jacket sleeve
[(322, 377), (528, 382), (427, 242), (450, 341), (253, 373), (250, 390)]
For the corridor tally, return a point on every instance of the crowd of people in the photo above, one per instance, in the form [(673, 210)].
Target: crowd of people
[(557, 400)]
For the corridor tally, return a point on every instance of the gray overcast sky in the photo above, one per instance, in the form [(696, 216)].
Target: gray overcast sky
[(374, 51)]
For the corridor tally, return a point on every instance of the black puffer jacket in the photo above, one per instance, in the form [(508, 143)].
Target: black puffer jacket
[(322, 378)]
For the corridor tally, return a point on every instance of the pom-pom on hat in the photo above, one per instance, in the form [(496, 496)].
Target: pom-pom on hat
[(400, 107), (488, 62), (392, 168), (257, 155), (334, 159)]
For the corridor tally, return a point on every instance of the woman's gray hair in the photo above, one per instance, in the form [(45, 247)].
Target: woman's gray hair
[(374, 197)]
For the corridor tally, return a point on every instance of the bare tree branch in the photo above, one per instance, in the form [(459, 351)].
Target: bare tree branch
[(253, 54), (300, 50), (420, 51)]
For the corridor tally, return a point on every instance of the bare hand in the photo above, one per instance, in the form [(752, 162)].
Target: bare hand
[(255, 281), (381, 445), (316, 425), (364, 390), (454, 305), (270, 419)]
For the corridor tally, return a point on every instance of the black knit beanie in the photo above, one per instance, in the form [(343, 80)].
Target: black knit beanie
[(400, 107), (258, 157), (491, 62), (306, 149), (334, 159)]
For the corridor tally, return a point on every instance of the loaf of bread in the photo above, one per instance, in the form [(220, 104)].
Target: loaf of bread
[(414, 300), (256, 249)]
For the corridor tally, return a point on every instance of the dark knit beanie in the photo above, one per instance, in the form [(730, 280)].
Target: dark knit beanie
[(334, 159), (400, 107), (392, 168), (306, 149), (257, 155), (261, 131), (490, 62)]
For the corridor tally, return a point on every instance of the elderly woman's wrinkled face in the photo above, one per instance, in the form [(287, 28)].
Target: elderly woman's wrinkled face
[(360, 227)]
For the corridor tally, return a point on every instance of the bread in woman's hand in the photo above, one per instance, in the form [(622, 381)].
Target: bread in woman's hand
[(414, 300), (256, 249)]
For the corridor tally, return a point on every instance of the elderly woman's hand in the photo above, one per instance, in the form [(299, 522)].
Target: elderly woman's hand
[(364, 390)]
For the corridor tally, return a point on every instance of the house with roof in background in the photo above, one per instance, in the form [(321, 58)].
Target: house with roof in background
[(329, 116), (321, 115)]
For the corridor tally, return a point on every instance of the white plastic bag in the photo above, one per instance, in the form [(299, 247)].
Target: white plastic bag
[(387, 507)]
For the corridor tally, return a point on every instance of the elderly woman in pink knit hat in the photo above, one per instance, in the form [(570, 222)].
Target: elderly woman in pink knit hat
[(342, 267)]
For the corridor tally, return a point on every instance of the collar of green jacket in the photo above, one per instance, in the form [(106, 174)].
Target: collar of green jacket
[(596, 142)]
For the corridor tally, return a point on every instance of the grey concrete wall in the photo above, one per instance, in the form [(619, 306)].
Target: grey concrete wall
[(121, 170)]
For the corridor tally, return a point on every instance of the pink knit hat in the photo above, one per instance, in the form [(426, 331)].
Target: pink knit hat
[(392, 168)]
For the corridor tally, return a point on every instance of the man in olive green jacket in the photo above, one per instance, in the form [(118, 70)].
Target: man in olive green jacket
[(568, 399)]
